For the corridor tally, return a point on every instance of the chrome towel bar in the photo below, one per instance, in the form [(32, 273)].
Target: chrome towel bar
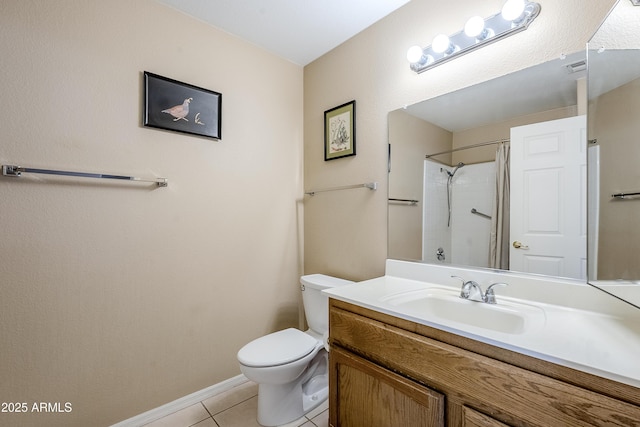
[(474, 211), (369, 185), (16, 171), (624, 195), (409, 201)]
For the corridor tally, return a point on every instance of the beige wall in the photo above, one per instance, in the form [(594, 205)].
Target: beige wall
[(410, 139), (346, 234), (613, 122), (119, 298)]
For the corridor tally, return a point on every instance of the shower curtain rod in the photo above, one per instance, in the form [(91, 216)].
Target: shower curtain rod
[(480, 144)]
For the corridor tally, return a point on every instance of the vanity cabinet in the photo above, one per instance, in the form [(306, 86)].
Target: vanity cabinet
[(387, 371), (371, 396)]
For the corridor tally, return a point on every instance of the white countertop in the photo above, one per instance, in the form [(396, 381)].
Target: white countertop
[(603, 342)]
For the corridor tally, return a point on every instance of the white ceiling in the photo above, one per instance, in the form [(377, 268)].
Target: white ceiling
[(298, 30), (303, 30)]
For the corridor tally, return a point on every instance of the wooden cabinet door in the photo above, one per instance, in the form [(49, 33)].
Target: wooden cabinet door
[(364, 394)]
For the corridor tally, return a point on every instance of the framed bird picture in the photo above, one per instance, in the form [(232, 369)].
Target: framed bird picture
[(181, 107)]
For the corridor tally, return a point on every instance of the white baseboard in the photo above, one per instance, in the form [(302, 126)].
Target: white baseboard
[(183, 402)]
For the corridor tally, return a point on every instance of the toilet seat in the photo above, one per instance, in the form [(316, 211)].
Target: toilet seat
[(278, 348)]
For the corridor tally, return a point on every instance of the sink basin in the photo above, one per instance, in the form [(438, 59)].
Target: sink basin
[(445, 304)]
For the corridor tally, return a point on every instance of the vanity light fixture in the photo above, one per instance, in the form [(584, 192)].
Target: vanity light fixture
[(515, 16)]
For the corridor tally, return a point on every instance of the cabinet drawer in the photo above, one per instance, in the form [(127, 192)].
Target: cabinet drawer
[(510, 394)]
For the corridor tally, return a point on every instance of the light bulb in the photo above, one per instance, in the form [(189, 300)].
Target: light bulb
[(474, 26), (414, 54), (441, 43), (513, 9)]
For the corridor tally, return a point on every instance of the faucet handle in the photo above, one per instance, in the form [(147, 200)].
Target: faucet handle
[(489, 295)]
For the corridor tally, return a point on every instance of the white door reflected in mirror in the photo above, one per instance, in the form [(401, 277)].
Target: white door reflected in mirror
[(548, 192)]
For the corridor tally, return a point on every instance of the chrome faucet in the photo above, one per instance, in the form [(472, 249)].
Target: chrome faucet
[(472, 291)]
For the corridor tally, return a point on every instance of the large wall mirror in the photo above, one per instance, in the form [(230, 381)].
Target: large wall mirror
[(495, 175), (614, 134)]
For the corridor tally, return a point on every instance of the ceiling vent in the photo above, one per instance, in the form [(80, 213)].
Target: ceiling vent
[(578, 65)]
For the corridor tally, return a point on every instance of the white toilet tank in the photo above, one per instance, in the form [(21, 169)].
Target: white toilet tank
[(316, 304)]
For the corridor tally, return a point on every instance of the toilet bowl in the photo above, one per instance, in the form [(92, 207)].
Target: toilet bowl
[(291, 366)]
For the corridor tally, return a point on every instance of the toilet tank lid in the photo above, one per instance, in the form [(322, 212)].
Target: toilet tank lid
[(277, 348), (322, 281)]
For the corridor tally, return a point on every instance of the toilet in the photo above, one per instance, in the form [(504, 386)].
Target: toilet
[(291, 366)]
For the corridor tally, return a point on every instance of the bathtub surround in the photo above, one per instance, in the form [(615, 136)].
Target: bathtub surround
[(466, 241)]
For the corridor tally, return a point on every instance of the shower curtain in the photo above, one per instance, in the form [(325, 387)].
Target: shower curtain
[(499, 238)]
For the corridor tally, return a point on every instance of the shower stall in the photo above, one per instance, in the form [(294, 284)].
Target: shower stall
[(458, 202)]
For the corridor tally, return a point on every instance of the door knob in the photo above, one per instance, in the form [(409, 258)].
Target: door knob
[(519, 245)]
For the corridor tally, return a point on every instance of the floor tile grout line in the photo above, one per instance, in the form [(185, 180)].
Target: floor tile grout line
[(210, 415), (228, 407), (216, 423), (206, 409)]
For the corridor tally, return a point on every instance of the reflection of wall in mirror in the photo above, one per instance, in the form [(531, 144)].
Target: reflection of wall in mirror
[(614, 123), (497, 131), (410, 139)]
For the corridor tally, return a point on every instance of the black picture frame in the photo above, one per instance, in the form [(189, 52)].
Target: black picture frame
[(181, 107), (340, 131)]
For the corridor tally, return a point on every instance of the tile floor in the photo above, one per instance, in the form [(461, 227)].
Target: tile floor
[(234, 408)]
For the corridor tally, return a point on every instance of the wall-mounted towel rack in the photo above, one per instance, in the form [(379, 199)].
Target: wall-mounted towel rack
[(409, 201), (474, 211), (16, 171), (625, 195), (369, 185)]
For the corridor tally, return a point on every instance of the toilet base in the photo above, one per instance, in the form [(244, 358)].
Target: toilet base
[(280, 404)]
